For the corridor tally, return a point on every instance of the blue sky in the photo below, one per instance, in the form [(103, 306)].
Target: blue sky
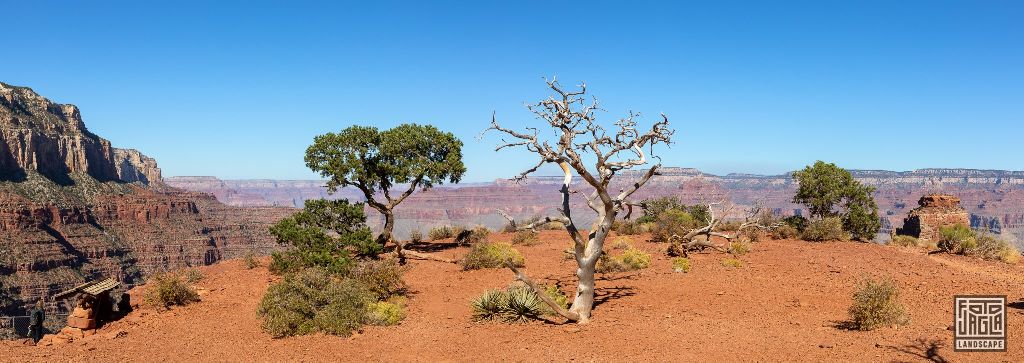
[(239, 89)]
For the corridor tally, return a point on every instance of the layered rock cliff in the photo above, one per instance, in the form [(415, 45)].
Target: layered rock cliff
[(73, 208)]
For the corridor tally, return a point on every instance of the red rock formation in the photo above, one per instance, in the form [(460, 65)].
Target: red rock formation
[(935, 211)]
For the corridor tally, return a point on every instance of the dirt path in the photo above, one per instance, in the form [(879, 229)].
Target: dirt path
[(787, 303)]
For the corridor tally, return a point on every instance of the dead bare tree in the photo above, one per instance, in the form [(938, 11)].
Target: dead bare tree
[(700, 238), (580, 139)]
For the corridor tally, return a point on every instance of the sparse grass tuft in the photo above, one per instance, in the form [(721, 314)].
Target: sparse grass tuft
[(193, 275), (491, 255), (622, 243), (383, 313), (785, 231), (739, 248), (441, 232), (681, 264), (732, 263), (250, 261), (876, 304)]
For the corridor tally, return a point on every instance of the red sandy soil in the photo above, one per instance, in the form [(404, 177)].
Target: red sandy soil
[(788, 302)]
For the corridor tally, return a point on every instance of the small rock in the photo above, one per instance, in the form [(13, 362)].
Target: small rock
[(825, 346), (116, 334)]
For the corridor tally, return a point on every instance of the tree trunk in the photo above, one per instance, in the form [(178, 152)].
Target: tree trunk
[(389, 227), (584, 301)]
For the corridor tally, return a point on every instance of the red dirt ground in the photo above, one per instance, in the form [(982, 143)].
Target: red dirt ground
[(786, 303)]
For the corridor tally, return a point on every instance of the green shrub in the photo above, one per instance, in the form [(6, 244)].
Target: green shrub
[(295, 260), (313, 300), (382, 277), (557, 296), (250, 261), (732, 263), (785, 231), (383, 313), (655, 207), (491, 255), (739, 248), (416, 236), (441, 232), (672, 222), (631, 259), (876, 304), (826, 229), (830, 191), (681, 264), (169, 289), (958, 239), (797, 222), (526, 238)]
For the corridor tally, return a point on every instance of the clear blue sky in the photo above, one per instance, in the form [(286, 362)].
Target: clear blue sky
[(239, 89)]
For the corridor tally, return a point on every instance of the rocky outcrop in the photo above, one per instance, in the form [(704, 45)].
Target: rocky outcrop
[(72, 208), (38, 135), (935, 211)]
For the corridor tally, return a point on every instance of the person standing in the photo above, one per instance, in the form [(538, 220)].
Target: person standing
[(35, 328)]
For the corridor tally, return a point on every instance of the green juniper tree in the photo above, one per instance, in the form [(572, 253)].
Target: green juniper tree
[(830, 191), (376, 162)]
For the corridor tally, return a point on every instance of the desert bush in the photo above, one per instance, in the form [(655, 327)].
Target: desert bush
[(728, 226), (672, 222), (622, 243), (193, 275), (681, 264), (169, 289), (416, 236), (905, 241), (472, 236), (785, 231), (250, 261), (383, 313), (491, 255), (830, 191), (958, 239), (797, 222), (876, 304), (441, 232), (739, 248), (825, 229), (631, 259), (555, 226), (526, 238), (656, 206), (626, 227), (381, 277), (732, 263), (990, 247), (314, 300)]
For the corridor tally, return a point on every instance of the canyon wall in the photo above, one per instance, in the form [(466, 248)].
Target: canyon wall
[(74, 208)]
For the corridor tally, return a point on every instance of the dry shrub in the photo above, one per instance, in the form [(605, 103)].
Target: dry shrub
[(383, 313), (739, 248), (681, 264), (876, 304), (555, 226), (312, 301), (169, 289), (250, 261), (911, 241), (728, 226), (785, 231), (826, 229), (472, 236), (626, 227), (193, 275), (525, 238), (416, 236), (491, 255), (732, 263), (622, 243), (631, 259), (672, 222), (381, 277), (990, 247), (441, 232)]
